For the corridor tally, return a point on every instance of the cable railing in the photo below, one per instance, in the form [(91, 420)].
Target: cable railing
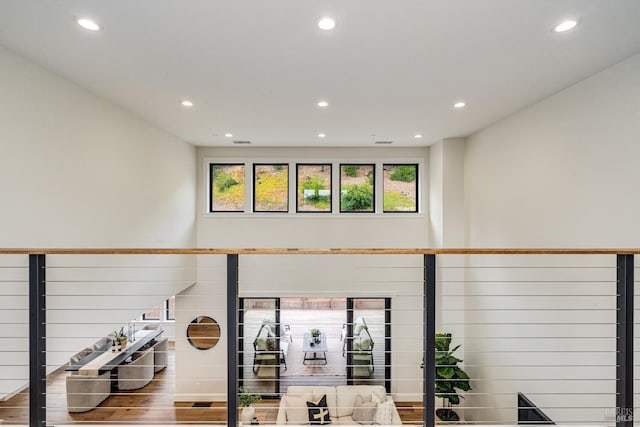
[(551, 328)]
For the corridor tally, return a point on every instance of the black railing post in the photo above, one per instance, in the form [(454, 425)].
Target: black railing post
[(232, 340), (387, 344), (624, 341), (429, 345), (37, 341), (276, 391), (348, 341)]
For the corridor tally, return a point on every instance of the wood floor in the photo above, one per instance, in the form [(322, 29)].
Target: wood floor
[(153, 404)]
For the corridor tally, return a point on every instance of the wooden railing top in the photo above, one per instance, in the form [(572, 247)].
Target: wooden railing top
[(311, 251)]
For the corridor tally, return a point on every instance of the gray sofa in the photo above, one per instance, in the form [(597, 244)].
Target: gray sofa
[(85, 392), (138, 373)]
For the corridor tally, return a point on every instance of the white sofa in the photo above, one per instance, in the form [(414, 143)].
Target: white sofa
[(340, 401)]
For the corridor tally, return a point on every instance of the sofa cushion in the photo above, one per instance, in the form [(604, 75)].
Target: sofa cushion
[(365, 344), (339, 399), (296, 409), (316, 393), (364, 410), (272, 344), (318, 411), (261, 344), (346, 395), (344, 420), (384, 412)]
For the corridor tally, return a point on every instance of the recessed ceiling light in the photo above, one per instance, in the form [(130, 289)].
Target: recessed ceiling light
[(323, 104), (228, 135), (417, 136), (326, 23), (460, 104), (321, 135), (186, 103), (566, 26), (88, 24)]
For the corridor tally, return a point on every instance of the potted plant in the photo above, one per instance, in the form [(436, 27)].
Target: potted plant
[(246, 399), (315, 333), (449, 377), (120, 338)]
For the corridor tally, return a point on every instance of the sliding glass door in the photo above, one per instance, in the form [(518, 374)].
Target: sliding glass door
[(259, 345), (368, 341), (276, 349)]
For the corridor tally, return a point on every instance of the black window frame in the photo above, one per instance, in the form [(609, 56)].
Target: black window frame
[(166, 305), (373, 206), (330, 165), (211, 200), (255, 165), (417, 166)]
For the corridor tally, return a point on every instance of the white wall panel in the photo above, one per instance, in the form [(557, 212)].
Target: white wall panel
[(78, 171)]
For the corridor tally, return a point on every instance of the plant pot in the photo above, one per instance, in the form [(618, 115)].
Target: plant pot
[(447, 414), (247, 414), (123, 344)]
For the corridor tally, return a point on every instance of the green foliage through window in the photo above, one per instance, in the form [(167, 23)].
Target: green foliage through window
[(351, 170), (223, 182), (313, 187), (405, 173), (357, 197), (271, 188), (400, 185), (227, 187), (315, 183)]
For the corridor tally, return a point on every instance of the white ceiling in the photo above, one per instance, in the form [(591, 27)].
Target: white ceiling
[(256, 68)]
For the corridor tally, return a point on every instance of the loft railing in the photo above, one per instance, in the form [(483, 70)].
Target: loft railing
[(563, 316)]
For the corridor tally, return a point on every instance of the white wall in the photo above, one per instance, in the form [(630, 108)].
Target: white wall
[(319, 275), (446, 209), (252, 230), (561, 173), (446, 193), (78, 171)]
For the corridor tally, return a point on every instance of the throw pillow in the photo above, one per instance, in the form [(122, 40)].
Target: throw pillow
[(272, 344), (364, 411), (355, 344), (384, 413), (261, 344), (378, 396), (365, 344), (296, 410), (319, 412)]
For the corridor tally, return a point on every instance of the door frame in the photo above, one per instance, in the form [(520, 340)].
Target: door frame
[(387, 339)]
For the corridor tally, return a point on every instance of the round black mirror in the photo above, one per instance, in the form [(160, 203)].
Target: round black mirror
[(203, 332)]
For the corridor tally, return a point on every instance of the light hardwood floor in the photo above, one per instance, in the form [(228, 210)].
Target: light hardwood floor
[(154, 404)]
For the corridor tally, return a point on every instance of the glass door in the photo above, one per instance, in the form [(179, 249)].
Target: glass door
[(368, 341), (259, 345)]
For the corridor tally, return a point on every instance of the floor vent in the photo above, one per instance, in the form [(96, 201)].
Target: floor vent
[(201, 404)]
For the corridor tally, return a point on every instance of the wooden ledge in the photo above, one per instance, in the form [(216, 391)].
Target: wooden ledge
[(331, 251)]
